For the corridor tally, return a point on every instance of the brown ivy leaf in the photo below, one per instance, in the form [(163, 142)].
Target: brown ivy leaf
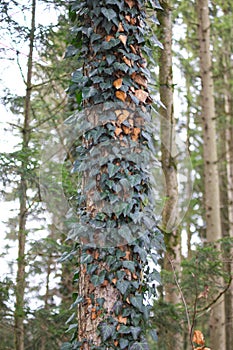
[(118, 131), (118, 83), (127, 17), (139, 79), (130, 3), (109, 37), (126, 129), (141, 95), (127, 61), (116, 342), (123, 39), (121, 28), (133, 49), (122, 117), (105, 283), (121, 95), (135, 134), (114, 280), (198, 338), (133, 21), (122, 319)]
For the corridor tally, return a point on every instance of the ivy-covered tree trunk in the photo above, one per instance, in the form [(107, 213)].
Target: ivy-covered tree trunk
[(168, 149), (20, 278), (116, 228), (212, 195)]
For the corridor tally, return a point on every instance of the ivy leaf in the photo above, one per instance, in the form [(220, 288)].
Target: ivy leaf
[(154, 335), (122, 286), (135, 332), (71, 327), (123, 343), (107, 331), (120, 4), (137, 302), (98, 279), (130, 265), (71, 317), (139, 346), (117, 307), (108, 13), (66, 346), (86, 258), (88, 92), (124, 330)]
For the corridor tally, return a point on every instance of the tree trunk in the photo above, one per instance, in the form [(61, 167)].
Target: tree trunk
[(212, 195), (20, 279), (111, 312), (229, 166), (170, 210)]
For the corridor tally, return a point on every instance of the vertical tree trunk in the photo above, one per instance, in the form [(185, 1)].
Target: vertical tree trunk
[(229, 166), (212, 195), (170, 210), (20, 279), (112, 283)]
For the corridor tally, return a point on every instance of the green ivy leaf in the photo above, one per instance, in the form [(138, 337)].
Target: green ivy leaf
[(117, 307), (66, 346), (88, 92), (97, 280), (137, 302), (130, 265), (123, 343), (135, 332), (108, 13), (122, 286), (139, 346), (72, 327), (107, 331), (124, 330)]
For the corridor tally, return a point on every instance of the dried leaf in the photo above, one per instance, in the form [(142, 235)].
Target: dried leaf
[(123, 38), (141, 95), (109, 37), (133, 49), (122, 319), (114, 280), (118, 131), (118, 83), (135, 134), (127, 61), (121, 95), (127, 255), (127, 17), (198, 338), (130, 3), (116, 342), (126, 129), (133, 21), (105, 283), (139, 79), (121, 28)]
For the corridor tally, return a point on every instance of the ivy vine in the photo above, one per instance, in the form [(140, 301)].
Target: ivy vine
[(114, 226)]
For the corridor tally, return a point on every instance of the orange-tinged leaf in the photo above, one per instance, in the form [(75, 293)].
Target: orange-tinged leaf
[(123, 38), (118, 131), (135, 134), (127, 255), (116, 342), (133, 49), (105, 283), (127, 17), (133, 21), (130, 3), (118, 83), (121, 28), (126, 129), (139, 80), (122, 319), (109, 37), (121, 95), (198, 338), (141, 95), (114, 280), (127, 61)]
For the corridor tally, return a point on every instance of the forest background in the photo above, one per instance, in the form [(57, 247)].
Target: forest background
[(33, 39)]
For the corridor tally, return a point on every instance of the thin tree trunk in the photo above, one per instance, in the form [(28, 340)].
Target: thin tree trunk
[(229, 166), (20, 279), (212, 194), (170, 210)]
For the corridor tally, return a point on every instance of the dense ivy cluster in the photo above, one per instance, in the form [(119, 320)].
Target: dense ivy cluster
[(116, 227)]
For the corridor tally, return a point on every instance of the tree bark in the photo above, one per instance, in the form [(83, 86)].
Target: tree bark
[(212, 194), (170, 210), (23, 211)]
